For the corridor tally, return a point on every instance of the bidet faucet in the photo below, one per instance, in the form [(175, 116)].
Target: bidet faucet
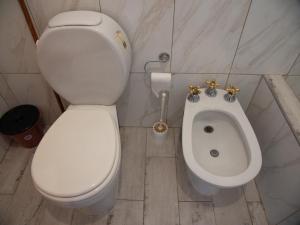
[(211, 90), (194, 92), (232, 91)]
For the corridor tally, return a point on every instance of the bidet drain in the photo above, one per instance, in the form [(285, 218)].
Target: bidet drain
[(214, 153), (208, 129)]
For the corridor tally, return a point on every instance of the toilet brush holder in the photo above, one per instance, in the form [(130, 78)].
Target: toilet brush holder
[(160, 131), (161, 85)]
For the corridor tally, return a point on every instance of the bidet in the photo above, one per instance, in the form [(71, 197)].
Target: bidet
[(219, 145)]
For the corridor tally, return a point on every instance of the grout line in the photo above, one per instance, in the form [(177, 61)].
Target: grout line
[(252, 97), (250, 215), (292, 75), (145, 127), (72, 217), (6, 151), (242, 31), (203, 73), (288, 217), (158, 156), (214, 206), (172, 38), (4, 100), (100, 5), (7, 194), (227, 80), (129, 200), (36, 211), (10, 90), (21, 74), (145, 175), (21, 176), (258, 192), (197, 201), (293, 64), (176, 174), (260, 201)]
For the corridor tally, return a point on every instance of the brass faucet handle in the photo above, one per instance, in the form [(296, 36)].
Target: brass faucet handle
[(232, 90), (194, 90), (212, 84)]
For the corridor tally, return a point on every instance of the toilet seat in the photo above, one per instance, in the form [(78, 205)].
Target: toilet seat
[(89, 138)]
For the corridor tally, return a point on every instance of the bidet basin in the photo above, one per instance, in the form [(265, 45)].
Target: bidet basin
[(218, 144)]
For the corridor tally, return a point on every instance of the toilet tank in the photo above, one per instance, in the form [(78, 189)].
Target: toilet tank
[(85, 56)]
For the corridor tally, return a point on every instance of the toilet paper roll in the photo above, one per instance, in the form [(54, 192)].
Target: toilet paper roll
[(160, 82)]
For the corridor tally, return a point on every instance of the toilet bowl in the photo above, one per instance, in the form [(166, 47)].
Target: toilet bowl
[(85, 57), (220, 148)]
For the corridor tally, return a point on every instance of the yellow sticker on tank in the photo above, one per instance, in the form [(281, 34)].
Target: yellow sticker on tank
[(120, 38)]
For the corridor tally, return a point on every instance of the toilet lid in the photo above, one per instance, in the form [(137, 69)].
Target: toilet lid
[(76, 154)]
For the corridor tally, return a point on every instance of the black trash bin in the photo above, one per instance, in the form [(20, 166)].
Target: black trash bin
[(22, 124)]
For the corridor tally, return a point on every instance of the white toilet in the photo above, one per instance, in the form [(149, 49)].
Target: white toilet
[(219, 145), (86, 57)]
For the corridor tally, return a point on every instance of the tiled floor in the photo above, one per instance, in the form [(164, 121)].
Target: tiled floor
[(153, 191)]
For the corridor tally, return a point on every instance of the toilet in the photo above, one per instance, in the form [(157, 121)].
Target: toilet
[(220, 148), (85, 56)]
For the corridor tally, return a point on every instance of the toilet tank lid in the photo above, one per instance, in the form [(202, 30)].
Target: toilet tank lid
[(76, 18)]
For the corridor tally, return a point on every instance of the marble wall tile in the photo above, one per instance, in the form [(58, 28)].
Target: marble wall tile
[(8, 98), (231, 208), (179, 90), (281, 157), (294, 219), (43, 10), (138, 106), (247, 84), (257, 213), (133, 142), (206, 34), (12, 168), (161, 202), (16, 44), (196, 213), (32, 89), (262, 113), (276, 181), (270, 40), (295, 70), (148, 25), (294, 83), (4, 107)]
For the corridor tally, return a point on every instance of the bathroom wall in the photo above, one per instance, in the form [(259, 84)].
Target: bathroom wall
[(20, 81), (233, 41), (278, 182), (293, 78)]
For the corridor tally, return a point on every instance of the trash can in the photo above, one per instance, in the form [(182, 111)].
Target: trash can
[(22, 124)]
